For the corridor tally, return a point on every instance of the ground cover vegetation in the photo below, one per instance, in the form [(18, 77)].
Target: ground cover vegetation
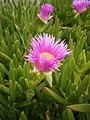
[(25, 95)]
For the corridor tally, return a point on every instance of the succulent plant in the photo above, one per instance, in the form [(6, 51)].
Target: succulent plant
[(27, 96)]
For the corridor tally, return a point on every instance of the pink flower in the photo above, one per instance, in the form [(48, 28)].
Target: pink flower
[(45, 12), (46, 54), (81, 5)]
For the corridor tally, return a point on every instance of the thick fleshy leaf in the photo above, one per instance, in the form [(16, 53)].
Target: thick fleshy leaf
[(26, 70), (4, 89), (54, 96), (72, 98), (86, 67), (26, 103), (4, 57), (29, 94), (80, 107), (64, 77), (3, 69), (15, 61), (79, 47), (23, 117), (83, 86), (1, 79), (3, 100), (74, 66), (45, 28), (5, 48), (12, 90), (70, 114)]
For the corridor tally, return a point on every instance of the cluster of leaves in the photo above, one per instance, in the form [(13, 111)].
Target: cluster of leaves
[(26, 96)]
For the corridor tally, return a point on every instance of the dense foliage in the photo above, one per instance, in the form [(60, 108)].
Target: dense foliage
[(26, 96)]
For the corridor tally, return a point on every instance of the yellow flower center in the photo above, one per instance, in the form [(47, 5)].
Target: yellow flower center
[(46, 55)]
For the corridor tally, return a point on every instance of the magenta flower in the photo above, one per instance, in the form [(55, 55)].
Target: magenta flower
[(46, 54), (45, 12), (81, 5)]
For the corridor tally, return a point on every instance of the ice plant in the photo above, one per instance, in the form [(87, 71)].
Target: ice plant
[(45, 12), (81, 6), (46, 54)]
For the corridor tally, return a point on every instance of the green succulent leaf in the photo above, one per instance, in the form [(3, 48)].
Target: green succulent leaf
[(4, 89), (23, 117), (54, 96), (64, 77), (80, 107), (83, 85), (86, 66), (74, 66), (70, 114)]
